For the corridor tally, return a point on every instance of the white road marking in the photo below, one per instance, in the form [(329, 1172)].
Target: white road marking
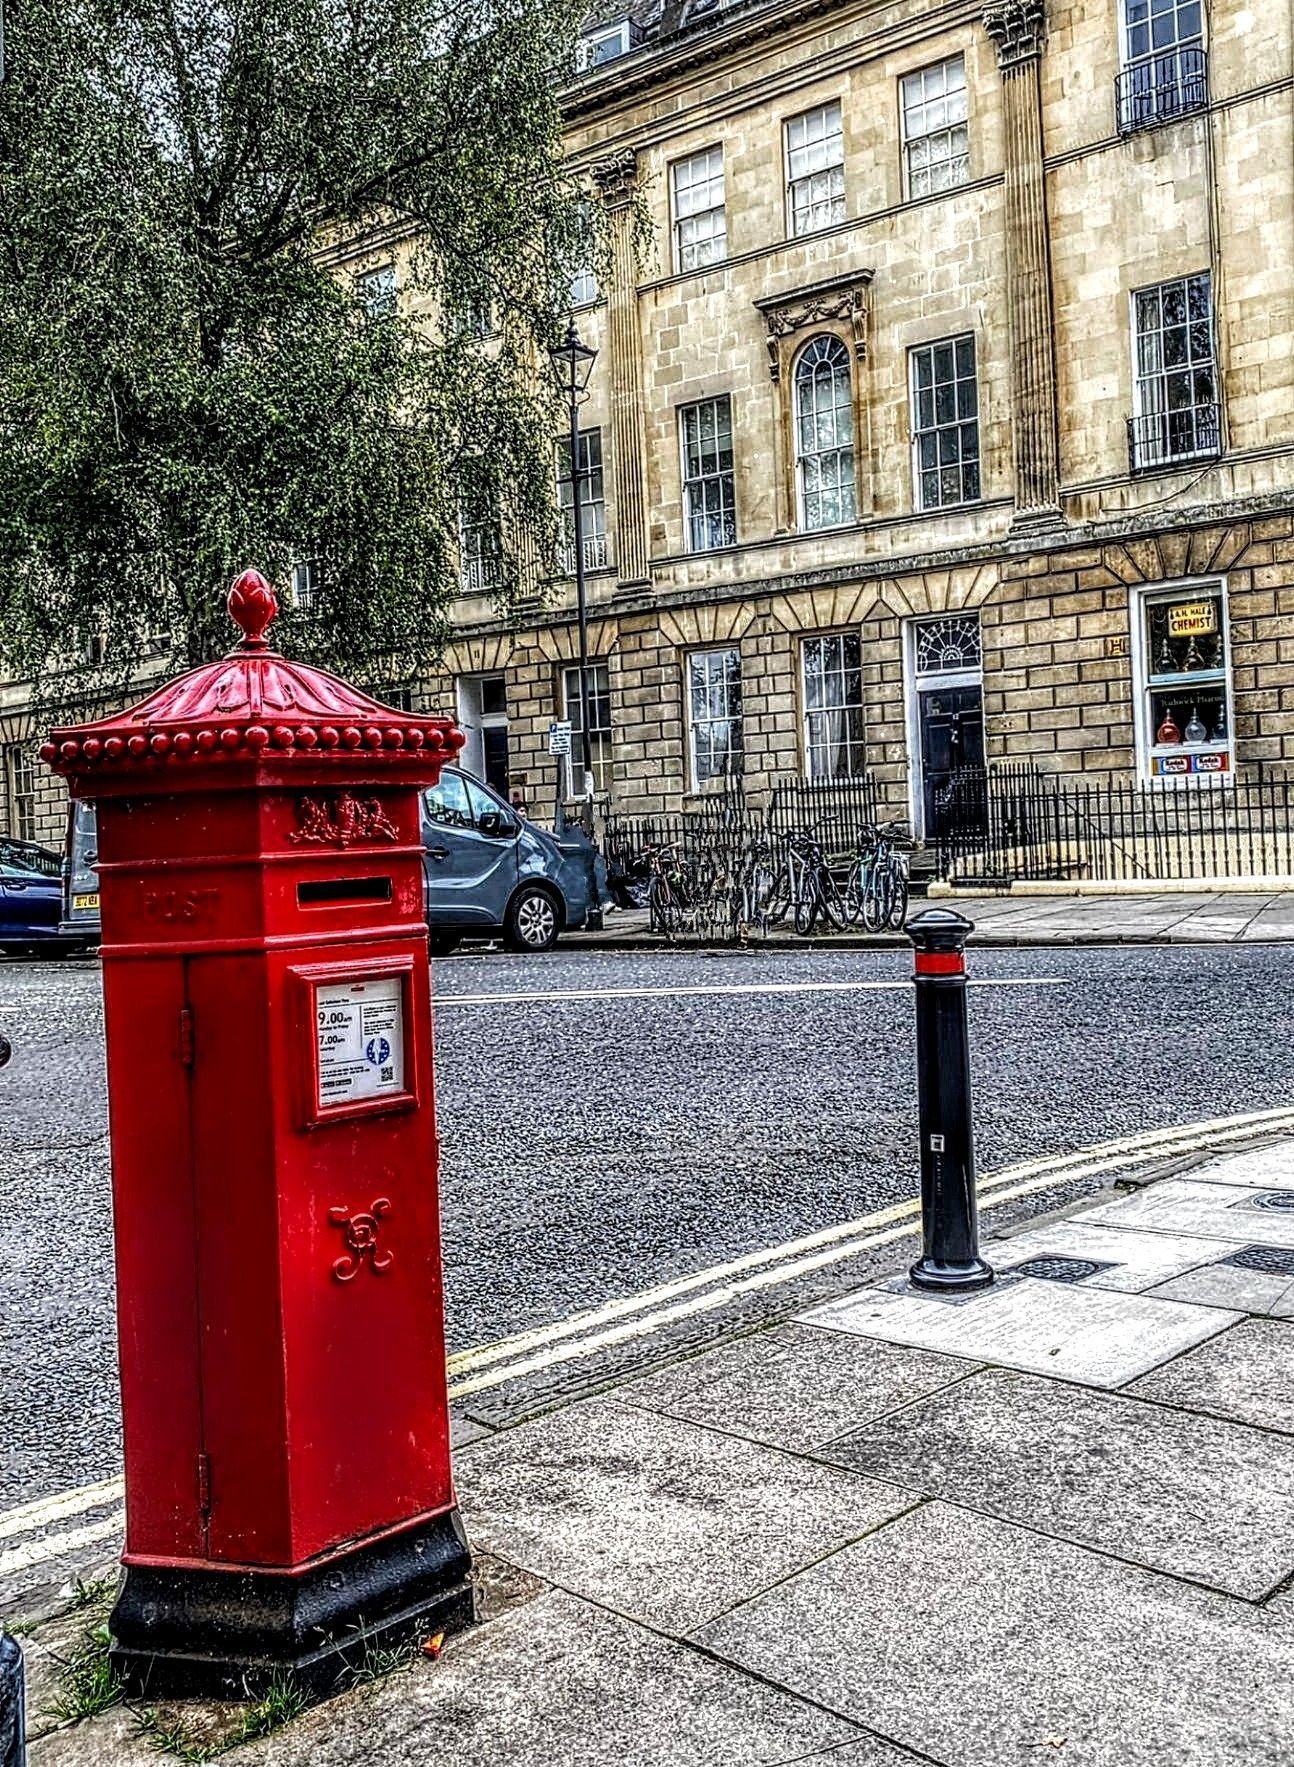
[(640, 1315), (560, 994)]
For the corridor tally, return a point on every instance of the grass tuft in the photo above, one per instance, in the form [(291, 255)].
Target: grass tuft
[(89, 1682), (282, 1701)]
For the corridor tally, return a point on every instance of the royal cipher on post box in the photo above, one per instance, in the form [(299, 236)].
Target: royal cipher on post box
[(289, 1502)]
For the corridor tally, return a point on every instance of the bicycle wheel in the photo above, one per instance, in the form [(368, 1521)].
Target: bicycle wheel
[(666, 909), (777, 904), (899, 901), (806, 907), (835, 904), (657, 891), (855, 885), (759, 900), (874, 901)]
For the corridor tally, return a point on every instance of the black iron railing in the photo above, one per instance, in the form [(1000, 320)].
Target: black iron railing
[(1162, 438), (712, 842), (1159, 88), (1038, 826)]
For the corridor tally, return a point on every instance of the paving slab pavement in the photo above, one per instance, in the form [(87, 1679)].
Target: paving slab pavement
[(1054, 1520), (1092, 917)]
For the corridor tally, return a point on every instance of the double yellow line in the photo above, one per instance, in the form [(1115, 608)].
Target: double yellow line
[(637, 1316)]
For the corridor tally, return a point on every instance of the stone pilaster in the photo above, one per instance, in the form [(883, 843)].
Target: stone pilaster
[(616, 178), (1017, 28)]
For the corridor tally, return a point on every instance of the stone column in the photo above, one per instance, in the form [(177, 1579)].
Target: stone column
[(1017, 28), (617, 180)]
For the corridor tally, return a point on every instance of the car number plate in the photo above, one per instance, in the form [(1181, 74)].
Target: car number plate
[(86, 902)]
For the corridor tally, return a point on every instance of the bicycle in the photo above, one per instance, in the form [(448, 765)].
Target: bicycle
[(755, 902), (878, 880), (668, 903), (816, 891)]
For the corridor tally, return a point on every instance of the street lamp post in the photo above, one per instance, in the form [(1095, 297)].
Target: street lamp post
[(574, 361)]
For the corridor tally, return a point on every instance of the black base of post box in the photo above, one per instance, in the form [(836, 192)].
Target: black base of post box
[(198, 1633)]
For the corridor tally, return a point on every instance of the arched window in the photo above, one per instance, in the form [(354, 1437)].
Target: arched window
[(824, 434)]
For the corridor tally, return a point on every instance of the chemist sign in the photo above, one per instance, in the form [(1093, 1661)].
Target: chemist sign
[(360, 1032)]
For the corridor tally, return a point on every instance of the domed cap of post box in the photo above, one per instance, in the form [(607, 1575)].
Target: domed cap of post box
[(253, 705)]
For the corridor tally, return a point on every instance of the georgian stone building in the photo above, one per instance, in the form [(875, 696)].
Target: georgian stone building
[(949, 414)]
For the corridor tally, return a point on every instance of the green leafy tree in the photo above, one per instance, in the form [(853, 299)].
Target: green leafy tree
[(194, 376)]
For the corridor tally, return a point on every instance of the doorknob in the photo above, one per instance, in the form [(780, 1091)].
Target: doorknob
[(438, 852)]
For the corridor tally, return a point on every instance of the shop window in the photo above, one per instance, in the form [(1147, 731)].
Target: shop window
[(714, 712), (815, 170), (824, 434), (936, 145), (833, 706), (709, 498), (700, 221), (599, 693), (1182, 681)]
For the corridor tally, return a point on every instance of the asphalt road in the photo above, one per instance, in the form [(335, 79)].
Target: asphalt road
[(613, 1120)]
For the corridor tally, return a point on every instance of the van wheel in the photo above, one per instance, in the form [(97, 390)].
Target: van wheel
[(532, 922), (441, 944)]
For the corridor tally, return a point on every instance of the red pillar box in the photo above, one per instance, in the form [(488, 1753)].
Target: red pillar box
[(267, 1004)]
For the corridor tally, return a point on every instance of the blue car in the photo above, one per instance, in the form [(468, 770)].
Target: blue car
[(488, 872), (491, 873), (31, 898)]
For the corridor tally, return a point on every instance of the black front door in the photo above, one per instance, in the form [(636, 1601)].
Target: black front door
[(952, 758), (494, 742)]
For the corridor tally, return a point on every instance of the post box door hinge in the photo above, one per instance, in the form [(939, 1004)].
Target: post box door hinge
[(204, 1485), (186, 1036)]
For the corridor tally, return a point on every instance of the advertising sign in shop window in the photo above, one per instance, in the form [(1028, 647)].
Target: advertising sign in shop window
[(1184, 716)]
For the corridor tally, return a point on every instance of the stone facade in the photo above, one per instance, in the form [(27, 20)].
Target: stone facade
[(1036, 250), (1037, 254)]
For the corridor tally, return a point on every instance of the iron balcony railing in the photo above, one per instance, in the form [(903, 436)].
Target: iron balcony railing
[(595, 554), (1159, 88), (1162, 438), (478, 575)]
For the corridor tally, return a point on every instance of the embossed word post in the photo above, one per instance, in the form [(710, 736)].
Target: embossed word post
[(289, 1503)]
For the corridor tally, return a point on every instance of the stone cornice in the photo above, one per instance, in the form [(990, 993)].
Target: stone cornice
[(1016, 28), (665, 59)]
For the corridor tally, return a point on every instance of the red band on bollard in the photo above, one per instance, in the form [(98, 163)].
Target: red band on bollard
[(940, 963)]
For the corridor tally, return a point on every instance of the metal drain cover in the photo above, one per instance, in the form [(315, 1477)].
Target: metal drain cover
[(1060, 1269), (1268, 1199), (1273, 1260)]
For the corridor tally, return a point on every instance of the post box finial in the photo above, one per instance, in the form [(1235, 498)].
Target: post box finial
[(252, 606)]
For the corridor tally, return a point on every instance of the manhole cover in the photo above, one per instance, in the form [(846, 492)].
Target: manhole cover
[(1274, 1260), (1272, 1199), (1060, 1269)]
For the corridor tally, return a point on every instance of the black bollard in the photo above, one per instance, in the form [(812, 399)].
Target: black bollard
[(950, 1259), (13, 1724)]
